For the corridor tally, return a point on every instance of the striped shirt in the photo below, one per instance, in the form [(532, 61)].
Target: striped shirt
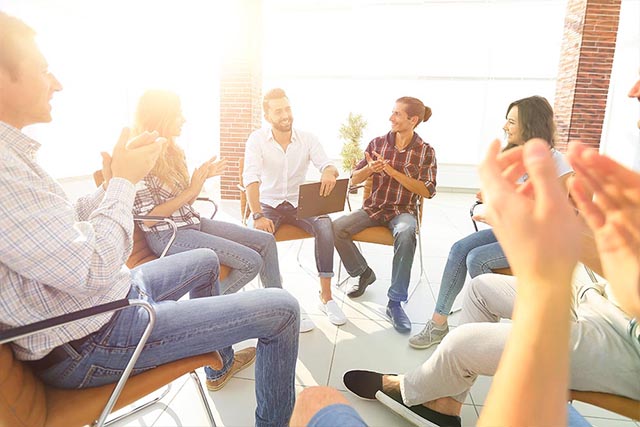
[(57, 257), (156, 192), (388, 197)]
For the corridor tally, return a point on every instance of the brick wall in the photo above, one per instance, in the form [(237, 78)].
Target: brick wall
[(586, 58), (240, 89)]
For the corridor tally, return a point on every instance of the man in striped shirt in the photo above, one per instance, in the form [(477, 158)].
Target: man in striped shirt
[(403, 168)]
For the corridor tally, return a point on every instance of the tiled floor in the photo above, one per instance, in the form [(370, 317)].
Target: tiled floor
[(367, 341)]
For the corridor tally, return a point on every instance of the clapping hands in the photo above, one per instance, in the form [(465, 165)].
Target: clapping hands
[(534, 221), (608, 197)]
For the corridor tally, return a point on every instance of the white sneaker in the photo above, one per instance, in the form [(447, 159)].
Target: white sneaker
[(333, 312), (306, 324)]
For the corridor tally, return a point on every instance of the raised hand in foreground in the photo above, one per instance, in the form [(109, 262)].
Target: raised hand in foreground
[(613, 214)]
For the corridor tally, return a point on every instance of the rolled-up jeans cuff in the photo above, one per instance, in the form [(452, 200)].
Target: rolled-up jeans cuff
[(331, 274)]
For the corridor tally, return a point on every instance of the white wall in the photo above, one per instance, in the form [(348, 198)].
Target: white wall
[(620, 136), (467, 60), (106, 53)]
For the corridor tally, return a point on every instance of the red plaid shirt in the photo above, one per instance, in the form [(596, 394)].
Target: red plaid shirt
[(388, 197)]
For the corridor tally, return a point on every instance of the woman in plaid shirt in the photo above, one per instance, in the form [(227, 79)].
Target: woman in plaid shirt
[(169, 191)]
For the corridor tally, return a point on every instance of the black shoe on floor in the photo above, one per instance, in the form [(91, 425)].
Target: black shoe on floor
[(398, 317), (366, 278), (418, 415), (364, 384)]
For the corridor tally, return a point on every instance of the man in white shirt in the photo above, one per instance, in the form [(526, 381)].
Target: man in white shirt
[(276, 161)]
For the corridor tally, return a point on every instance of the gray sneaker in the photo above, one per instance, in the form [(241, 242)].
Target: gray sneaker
[(432, 334)]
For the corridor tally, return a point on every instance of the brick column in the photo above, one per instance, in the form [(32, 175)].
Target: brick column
[(240, 88), (586, 58)]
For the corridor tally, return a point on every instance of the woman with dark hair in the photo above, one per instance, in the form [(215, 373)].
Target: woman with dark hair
[(480, 252)]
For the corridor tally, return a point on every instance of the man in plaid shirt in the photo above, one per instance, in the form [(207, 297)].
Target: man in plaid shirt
[(403, 168)]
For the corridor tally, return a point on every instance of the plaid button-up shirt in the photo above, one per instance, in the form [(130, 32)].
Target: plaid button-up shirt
[(388, 197), (156, 192), (56, 257)]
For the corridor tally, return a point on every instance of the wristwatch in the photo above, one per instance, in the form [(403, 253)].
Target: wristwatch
[(257, 216)]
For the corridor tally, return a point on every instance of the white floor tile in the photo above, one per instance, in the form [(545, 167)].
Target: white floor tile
[(592, 411)]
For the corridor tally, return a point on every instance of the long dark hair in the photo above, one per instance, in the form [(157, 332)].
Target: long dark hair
[(535, 118)]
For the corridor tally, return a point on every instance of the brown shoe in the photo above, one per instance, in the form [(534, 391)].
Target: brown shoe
[(241, 360)]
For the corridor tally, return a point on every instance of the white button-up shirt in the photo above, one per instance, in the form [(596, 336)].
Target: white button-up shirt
[(280, 172)]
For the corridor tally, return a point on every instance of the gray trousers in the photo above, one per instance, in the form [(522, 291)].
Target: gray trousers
[(603, 356)]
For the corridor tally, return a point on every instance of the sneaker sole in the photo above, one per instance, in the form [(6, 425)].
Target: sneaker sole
[(423, 347), (403, 411), (228, 377)]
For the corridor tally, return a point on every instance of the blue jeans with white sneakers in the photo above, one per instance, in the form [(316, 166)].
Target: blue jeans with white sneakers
[(199, 325)]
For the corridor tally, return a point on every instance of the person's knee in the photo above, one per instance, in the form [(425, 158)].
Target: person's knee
[(202, 258), (476, 262), (340, 228), (478, 287), (283, 301), (255, 261), (405, 234), (457, 342)]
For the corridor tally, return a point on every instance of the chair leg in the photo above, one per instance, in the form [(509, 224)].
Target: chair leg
[(305, 269), (423, 275), (139, 408), (203, 397)]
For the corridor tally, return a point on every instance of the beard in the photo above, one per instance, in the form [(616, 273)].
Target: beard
[(283, 125)]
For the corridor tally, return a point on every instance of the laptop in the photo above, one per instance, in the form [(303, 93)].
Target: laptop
[(310, 203)]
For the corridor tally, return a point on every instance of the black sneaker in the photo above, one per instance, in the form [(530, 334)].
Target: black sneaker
[(364, 384), (417, 415), (366, 278)]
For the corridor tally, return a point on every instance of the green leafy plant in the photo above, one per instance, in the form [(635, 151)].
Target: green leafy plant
[(351, 133)]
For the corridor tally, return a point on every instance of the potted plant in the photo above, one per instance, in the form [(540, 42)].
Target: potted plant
[(351, 133)]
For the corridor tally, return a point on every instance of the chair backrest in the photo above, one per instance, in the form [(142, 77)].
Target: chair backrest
[(141, 252), (22, 394), (620, 405)]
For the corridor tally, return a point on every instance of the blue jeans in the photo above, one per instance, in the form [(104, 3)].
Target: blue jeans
[(479, 253), (199, 325), (319, 226), (337, 414), (403, 229), (246, 251), (575, 419)]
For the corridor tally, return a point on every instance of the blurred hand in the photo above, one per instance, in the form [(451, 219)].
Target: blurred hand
[(613, 213), (134, 159), (327, 182), (216, 167), (106, 169), (534, 221), (198, 179), (377, 165), (264, 224)]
